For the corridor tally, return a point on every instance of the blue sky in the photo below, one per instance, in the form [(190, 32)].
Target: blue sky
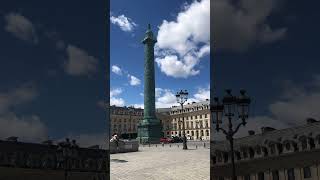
[(53, 65), (52, 69), (180, 41)]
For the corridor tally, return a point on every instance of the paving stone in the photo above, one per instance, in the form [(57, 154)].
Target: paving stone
[(161, 163)]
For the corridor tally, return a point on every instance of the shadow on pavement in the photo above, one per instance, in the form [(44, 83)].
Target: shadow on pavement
[(118, 160)]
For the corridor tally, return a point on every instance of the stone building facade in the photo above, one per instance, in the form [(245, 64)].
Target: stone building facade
[(31, 161), (125, 120), (287, 154), (197, 121)]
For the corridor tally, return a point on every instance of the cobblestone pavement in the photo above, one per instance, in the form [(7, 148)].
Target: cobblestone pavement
[(161, 163)]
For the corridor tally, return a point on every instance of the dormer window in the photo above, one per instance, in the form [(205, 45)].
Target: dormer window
[(287, 146)]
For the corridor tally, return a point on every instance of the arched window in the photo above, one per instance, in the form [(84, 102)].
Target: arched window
[(280, 148), (251, 152), (287, 146), (207, 133), (265, 151), (311, 143), (303, 141), (272, 149), (258, 150)]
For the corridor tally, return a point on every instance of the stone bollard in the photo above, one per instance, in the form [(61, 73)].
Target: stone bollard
[(204, 145), (149, 145), (170, 145), (196, 146), (162, 145), (178, 145), (156, 145)]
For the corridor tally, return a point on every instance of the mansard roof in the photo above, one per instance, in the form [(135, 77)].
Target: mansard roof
[(294, 134)]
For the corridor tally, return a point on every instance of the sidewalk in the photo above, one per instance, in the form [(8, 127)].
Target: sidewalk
[(161, 163)]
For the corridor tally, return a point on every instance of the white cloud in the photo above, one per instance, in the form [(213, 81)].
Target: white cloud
[(183, 42), (166, 99), (125, 23), (115, 92), (17, 96), (116, 69), (25, 127), (238, 26), (134, 81), (21, 27), (79, 62), (138, 106), (202, 94), (117, 101), (114, 100)]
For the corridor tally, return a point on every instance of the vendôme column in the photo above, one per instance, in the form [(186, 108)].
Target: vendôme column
[(150, 127)]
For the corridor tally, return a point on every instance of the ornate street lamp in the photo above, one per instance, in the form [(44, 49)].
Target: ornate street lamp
[(182, 97), (231, 105)]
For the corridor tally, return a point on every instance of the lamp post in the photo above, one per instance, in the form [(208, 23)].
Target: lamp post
[(66, 157), (182, 97), (230, 106)]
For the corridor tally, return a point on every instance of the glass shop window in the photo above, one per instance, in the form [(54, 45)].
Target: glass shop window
[(275, 175), (290, 174), (306, 172)]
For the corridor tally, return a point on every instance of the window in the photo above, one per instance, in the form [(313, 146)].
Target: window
[(225, 157), (191, 117), (275, 175), (251, 152), (205, 116), (306, 172), (273, 149), (311, 143), (304, 144), (192, 133), (200, 116), (246, 177), (260, 176), (238, 156), (287, 146), (290, 173), (195, 117)]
